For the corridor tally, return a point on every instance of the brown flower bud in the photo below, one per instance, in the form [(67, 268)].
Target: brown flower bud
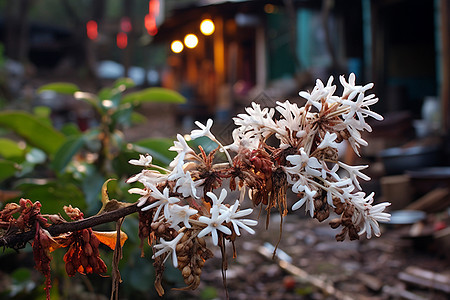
[(335, 223), (94, 241), (161, 228), (186, 271), (202, 242), (84, 261), (88, 250), (86, 235), (198, 271), (189, 279), (70, 269), (154, 226), (183, 258)]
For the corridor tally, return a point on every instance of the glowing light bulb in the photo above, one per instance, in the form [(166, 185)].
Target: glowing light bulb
[(177, 46), (191, 40), (207, 27)]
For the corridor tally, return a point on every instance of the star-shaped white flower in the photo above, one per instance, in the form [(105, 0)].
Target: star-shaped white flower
[(182, 148), (218, 217), (180, 214), (351, 89), (163, 200), (354, 172), (367, 216), (169, 246), (328, 141), (308, 199), (360, 108), (235, 215), (144, 160), (186, 186), (311, 165), (203, 131), (145, 194)]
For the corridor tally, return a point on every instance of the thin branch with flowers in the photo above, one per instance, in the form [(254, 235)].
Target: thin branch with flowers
[(182, 205)]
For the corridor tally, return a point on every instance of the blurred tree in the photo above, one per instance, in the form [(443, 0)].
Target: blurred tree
[(16, 29)]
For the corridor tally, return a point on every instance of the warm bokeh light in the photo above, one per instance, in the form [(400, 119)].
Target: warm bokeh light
[(92, 29), (125, 24), (150, 24), (177, 46), (270, 8), (191, 40), (122, 40), (207, 27)]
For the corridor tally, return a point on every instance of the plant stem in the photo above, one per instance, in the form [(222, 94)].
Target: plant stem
[(18, 240)]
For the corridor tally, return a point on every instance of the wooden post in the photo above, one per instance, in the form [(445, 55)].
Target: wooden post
[(445, 63)]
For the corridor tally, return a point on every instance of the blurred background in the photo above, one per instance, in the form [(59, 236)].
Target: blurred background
[(219, 56)]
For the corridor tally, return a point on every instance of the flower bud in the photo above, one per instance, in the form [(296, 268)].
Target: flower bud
[(86, 235), (88, 250), (186, 271), (189, 279), (335, 223)]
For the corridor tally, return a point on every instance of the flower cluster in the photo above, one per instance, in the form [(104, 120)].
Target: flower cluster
[(179, 205)]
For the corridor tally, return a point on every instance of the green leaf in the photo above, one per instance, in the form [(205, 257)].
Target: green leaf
[(53, 195), (43, 114), (60, 87), (122, 116), (124, 83), (137, 118), (9, 149), (154, 94), (33, 130), (89, 98), (70, 129), (92, 186), (7, 169), (66, 152)]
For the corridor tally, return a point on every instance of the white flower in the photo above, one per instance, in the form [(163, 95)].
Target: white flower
[(218, 216), (243, 141), (148, 176), (180, 214), (308, 199), (145, 194), (169, 246), (186, 186), (368, 216), (328, 141), (350, 89), (163, 200), (234, 217), (291, 118), (217, 202), (318, 93), (203, 131), (354, 172), (256, 121), (360, 108), (312, 166), (144, 160), (182, 148)]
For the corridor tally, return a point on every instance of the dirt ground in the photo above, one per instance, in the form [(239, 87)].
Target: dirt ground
[(364, 269)]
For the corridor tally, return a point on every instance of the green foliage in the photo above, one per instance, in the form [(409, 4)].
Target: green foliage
[(68, 166), (33, 130), (7, 169), (60, 87), (9, 149), (154, 94)]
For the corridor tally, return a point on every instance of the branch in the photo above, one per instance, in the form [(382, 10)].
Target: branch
[(18, 240)]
